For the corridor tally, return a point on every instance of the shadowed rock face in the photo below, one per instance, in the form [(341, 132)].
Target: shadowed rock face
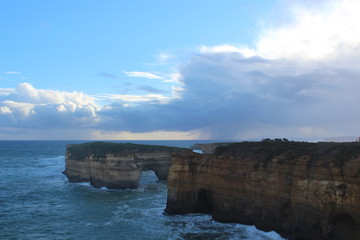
[(301, 190), (116, 165)]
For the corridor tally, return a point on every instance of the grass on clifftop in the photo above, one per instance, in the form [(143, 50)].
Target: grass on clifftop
[(100, 149), (265, 150)]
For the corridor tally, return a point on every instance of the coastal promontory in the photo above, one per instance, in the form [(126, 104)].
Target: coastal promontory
[(300, 190), (116, 165)]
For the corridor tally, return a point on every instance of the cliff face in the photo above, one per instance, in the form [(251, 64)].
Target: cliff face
[(116, 165), (300, 190)]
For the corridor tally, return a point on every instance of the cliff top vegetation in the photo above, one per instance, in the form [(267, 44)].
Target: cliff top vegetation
[(100, 149), (266, 149)]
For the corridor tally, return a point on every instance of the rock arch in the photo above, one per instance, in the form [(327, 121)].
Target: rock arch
[(116, 165)]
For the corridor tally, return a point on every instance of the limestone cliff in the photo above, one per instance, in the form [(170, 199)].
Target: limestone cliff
[(116, 165), (301, 190)]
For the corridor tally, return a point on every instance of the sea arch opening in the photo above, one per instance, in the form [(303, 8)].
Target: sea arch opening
[(204, 203)]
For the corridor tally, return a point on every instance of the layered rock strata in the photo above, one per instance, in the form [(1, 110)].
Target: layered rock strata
[(300, 190), (116, 165)]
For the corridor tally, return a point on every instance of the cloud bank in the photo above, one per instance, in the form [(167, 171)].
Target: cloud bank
[(27, 107), (302, 80)]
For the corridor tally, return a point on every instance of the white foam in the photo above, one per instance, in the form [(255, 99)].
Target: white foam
[(198, 151), (253, 233), (85, 184)]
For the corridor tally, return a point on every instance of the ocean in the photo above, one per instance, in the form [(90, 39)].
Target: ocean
[(38, 202)]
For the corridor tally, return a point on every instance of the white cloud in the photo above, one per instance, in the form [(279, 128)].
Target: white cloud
[(5, 110), (173, 78), (143, 75), (13, 72), (27, 107), (27, 93), (6, 91), (329, 31), (227, 48), (135, 98), (164, 57), (177, 92), (326, 33), (22, 109)]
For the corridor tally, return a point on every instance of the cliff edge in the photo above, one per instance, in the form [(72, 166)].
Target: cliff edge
[(116, 165), (300, 190)]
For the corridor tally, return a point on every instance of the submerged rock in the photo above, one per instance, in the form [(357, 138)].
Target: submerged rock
[(116, 165), (301, 190)]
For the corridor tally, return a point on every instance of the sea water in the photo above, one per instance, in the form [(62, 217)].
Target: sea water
[(38, 202)]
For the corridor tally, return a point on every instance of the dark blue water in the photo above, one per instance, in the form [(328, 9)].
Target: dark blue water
[(37, 202)]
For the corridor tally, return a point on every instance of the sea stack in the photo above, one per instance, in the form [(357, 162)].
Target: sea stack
[(300, 190), (116, 165)]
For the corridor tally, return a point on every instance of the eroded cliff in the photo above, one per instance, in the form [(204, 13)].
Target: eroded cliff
[(301, 190), (116, 165)]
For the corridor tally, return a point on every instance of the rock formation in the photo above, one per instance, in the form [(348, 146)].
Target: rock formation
[(300, 190), (116, 165)]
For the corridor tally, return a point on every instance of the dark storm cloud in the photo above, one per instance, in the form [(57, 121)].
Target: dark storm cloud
[(227, 94)]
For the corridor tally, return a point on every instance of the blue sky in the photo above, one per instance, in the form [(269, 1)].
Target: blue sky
[(234, 69), (73, 45)]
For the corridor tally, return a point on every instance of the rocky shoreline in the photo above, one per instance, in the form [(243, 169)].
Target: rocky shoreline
[(300, 190)]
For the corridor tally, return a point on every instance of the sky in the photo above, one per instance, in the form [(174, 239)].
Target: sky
[(179, 70)]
